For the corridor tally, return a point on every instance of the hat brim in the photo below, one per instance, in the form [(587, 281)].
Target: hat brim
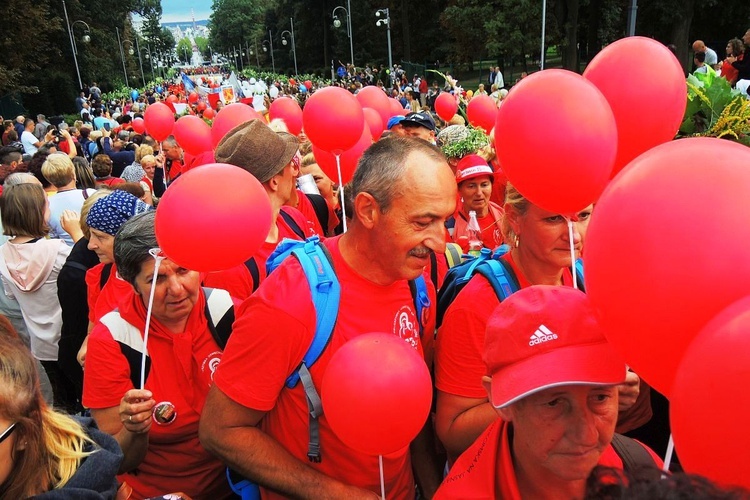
[(291, 146), (590, 364)]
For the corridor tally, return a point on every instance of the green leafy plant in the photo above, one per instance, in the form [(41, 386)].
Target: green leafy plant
[(715, 109)]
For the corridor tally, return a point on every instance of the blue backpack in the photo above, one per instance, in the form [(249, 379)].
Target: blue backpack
[(325, 289), (490, 265)]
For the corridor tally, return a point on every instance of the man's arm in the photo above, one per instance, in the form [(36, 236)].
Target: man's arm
[(229, 431), (460, 421)]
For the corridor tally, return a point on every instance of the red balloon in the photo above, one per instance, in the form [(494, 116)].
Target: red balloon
[(482, 112), (193, 97), (193, 134), (366, 378), (348, 159), (667, 250), (446, 106), (556, 139), (333, 119), (191, 161), (190, 209), (396, 107), (209, 113), (229, 117), (308, 84), (372, 97), (288, 110), (201, 106), (292, 81), (172, 98), (624, 72), (705, 403), (374, 123), (139, 126), (159, 121)]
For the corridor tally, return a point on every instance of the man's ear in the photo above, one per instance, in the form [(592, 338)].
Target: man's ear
[(366, 209), (504, 413), (273, 183)]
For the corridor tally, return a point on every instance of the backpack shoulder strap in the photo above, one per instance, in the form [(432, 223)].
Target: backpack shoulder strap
[(453, 254), (321, 209), (220, 314), (252, 267), (130, 340), (578, 269), (434, 270), (633, 454), (421, 298), (501, 277), (292, 224)]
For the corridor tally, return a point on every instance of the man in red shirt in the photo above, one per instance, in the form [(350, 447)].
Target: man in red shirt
[(269, 156), (553, 382), (402, 192)]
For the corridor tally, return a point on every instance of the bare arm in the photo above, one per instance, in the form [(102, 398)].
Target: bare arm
[(70, 222), (129, 423), (228, 430), (459, 421)]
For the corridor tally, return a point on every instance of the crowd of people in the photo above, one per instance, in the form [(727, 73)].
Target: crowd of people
[(182, 374)]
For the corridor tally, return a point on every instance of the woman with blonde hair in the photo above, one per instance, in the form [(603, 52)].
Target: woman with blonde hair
[(44, 453), (135, 172)]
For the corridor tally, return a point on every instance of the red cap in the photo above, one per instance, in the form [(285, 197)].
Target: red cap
[(546, 336), (472, 166)]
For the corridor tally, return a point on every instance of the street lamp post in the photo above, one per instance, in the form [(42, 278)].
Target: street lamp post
[(122, 54), (257, 56), (337, 24), (294, 48), (387, 21), (270, 43), (140, 61), (72, 45)]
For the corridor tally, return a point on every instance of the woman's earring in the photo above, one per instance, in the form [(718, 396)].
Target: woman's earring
[(517, 241)]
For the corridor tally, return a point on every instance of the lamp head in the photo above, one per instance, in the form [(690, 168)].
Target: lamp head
[(336, 22)]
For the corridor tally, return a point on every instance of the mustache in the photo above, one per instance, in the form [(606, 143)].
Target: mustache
[(420, 252)]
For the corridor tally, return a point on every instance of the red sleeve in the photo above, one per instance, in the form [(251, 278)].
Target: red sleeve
[(107, 375), (460, 341), (93, 277), (272, 332), (237, 281)]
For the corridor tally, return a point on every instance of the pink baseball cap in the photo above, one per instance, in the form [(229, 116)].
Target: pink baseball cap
[(546, 336), (472, 166)]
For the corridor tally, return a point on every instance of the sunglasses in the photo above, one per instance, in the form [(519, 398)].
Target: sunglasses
[(7, 432)]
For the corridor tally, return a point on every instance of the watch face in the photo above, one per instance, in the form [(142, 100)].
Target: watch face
[(164, 413)]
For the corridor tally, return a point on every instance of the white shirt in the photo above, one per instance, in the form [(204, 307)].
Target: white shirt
[(711, 57), (28, 140)]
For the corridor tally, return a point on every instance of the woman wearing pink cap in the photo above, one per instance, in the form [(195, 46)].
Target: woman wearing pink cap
[(553, 382), (539, 255), (474, 178)]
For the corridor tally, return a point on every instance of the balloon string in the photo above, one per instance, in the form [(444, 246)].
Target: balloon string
[(341, 190), (155, 254), (382, 478), (572, 252), (670, 452)]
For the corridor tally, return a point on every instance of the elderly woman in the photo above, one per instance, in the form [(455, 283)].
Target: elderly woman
[(474, 178), (43, 453), (539, 255), (157, 426), (148, 165)]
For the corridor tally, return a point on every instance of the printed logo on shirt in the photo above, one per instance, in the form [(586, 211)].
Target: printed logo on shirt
[(541, 335), (210, 363), (405, 326)]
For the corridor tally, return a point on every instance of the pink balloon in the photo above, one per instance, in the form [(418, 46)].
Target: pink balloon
[(159, 121), (229, 117), (288, 110), (366, 378), (333, 119), (396, 108), (190, 209), (139, 126), (373, 97), (564, 166), (691, 222), (193, 134), (374, 122), (482, 112), (446, 106), (624, 72), (348, 159)]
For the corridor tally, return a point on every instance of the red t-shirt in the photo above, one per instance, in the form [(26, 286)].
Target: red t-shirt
[(305, 207), (274, 329), (492, 236), (486, 470), (103, 300), (237, 280), (110, 181), (460, 340), (182, 367)]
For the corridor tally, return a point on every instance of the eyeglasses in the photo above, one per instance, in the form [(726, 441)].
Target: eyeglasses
[(7, 432)]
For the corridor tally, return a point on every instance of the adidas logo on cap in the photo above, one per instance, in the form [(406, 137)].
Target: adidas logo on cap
[(542, 334)]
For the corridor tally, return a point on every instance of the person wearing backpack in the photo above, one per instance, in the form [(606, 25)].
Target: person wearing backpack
[(552, 381), (539, 255), (402, 192)]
